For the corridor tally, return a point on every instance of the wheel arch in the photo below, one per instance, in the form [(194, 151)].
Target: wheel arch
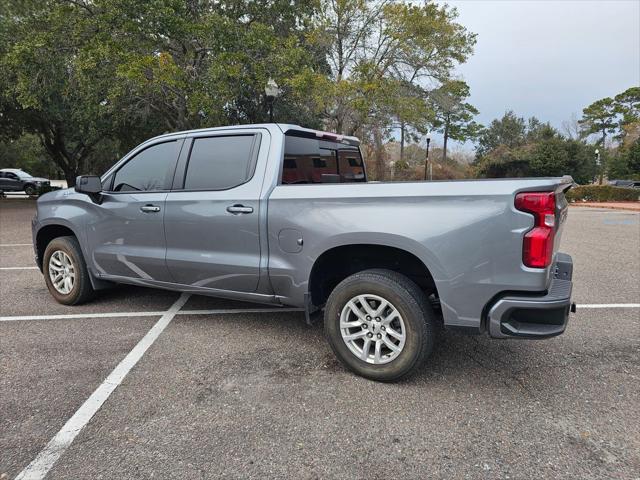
[(47, 233), (340, 261)]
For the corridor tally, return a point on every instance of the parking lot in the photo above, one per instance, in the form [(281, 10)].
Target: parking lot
[(231, 390)]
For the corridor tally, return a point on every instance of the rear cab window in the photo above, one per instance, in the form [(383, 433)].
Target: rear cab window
[(308, 160)]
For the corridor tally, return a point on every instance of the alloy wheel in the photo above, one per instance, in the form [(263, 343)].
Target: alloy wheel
[(372, 328), (62, 272)]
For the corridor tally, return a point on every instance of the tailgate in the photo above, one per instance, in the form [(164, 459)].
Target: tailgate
[(562, 209)]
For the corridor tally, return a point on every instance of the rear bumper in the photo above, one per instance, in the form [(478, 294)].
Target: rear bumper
[(518, 315)]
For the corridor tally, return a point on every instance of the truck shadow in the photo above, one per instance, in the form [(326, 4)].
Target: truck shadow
[(470, 360)]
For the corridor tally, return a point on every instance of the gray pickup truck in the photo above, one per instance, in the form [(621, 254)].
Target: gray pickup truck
[(284, 215)]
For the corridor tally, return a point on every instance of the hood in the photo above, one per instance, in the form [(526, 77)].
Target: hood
[(57, 195), (35, 179)]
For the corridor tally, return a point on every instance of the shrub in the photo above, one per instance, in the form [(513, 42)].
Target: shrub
[(602, 193)]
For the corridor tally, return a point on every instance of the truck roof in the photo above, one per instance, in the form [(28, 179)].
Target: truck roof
[(284, 128)]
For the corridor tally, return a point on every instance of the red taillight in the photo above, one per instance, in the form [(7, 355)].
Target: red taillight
[(537, 248)]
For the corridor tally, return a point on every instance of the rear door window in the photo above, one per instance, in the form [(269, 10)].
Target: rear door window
[(312, 160), (220, 163)]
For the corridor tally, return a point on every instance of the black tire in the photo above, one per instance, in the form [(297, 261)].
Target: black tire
[(408, 300), (30, 190), (82, 290)]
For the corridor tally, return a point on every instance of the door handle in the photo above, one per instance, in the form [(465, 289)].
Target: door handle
[(237, 209), (150, 209)]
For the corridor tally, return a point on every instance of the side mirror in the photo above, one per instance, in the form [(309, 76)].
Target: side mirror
[(89, 184)]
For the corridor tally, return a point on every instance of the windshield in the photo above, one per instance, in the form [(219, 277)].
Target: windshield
[(22, 174)]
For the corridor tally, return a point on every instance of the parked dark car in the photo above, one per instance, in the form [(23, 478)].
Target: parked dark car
[(16, 180), (625, 183)]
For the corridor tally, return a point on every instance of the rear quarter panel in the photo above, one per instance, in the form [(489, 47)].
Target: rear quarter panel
[(467, 233)]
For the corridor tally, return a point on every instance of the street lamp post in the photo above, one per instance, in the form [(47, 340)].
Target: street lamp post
[(272, 92), (427, 164)]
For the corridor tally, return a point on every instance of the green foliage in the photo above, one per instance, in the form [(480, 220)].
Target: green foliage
[(453, 115), (27, 153), (599, 118), (512, 131), (55, 86), (207, 63), (539, 152), (609, 116), (91, 79), (632, 155), (602, 193), (625, 164), (378, 54), (627, 104), (89, 76)]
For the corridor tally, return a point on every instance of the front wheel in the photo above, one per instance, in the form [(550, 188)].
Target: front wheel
[(30, 190), (380, 324), (65, 271)]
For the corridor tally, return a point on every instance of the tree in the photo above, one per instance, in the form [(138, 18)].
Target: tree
[(599, 118), (87, 75), (510, 131), (633, 159), (571, 127), (557, 156), (26, 153), (548, 157), (515, 147), (625, 163), (196, 64), (82, 74), (54, 87), (627, 104), (454, 116), (379, 54)]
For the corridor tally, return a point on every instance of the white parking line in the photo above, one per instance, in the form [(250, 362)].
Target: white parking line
[(608, 305), (80, 315), (19, 268), (15, 244), (238, 310), (41, 465)]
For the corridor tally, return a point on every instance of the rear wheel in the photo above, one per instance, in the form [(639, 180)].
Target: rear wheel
[(65, 271), (380, 324)]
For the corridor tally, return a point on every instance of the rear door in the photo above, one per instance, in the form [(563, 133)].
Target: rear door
[(212, 215)]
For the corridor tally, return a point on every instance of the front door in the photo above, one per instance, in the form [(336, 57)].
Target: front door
[(126, 233), (212, 220), (10, 182)]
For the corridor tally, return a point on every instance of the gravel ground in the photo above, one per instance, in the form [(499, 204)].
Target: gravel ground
[(261, 396)]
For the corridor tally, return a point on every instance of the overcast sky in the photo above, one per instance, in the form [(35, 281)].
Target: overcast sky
[(549, 58)]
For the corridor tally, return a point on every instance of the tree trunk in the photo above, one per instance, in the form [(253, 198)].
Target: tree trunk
[(402, 127), (379, 153), (601, 166), (446, 139), (70, 177), (70, 162)]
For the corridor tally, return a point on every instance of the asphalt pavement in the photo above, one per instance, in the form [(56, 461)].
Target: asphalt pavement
[(225, 391)]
